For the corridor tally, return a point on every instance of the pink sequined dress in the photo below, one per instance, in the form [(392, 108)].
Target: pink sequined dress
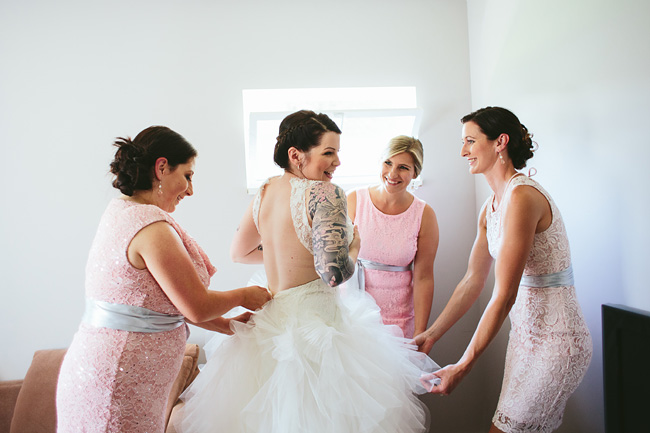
[(113, 380), (391, 240), (549, 347)]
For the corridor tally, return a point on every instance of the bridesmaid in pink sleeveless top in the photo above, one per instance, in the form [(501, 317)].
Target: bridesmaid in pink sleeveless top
[(145, 278), (399, 235)]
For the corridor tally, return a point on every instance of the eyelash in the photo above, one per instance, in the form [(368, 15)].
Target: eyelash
[(388, 163)]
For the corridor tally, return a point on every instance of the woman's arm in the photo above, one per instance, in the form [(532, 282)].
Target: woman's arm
[(352, 205), (246, 246), (423, 281), (159, 248), (466, 293), (525, 209), (327, 208), (222, 324)]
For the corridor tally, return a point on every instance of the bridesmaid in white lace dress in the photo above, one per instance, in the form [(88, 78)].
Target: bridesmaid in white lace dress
[(521, 228)]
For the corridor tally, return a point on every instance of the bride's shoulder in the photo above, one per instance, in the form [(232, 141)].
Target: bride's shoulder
[(326, 194)]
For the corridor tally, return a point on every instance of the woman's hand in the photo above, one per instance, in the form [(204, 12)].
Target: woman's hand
[(355, 245), (450, 376), (424, 341), (222, 324), (255, 297)]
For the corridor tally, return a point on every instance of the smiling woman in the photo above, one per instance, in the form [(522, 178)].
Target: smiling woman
[(400, 234), (306, 362), (145, 278)]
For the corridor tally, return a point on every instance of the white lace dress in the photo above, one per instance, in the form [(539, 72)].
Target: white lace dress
[(307, 363), (550, 346)]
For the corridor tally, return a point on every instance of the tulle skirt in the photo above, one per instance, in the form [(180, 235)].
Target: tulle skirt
[(308, 362)]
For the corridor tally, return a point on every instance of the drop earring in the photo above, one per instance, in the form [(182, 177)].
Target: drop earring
[(503, 161), (160, 191)]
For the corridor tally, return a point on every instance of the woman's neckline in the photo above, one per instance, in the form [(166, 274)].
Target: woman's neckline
[(505, 189), (390, 214)]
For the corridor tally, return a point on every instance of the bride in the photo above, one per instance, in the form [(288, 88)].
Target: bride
[(307, 361)]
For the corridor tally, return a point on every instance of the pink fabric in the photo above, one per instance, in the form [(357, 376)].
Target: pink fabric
[(550, 347), (391, 240), (119, 381)]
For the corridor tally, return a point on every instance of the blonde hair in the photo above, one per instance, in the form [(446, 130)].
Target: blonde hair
[(410, 145)]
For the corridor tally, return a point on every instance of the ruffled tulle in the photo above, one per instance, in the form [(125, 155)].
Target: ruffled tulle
[(308, 362)]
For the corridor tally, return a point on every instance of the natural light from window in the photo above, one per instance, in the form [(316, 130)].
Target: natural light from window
[(367, 116)]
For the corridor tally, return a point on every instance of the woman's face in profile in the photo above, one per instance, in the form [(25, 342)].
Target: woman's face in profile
[(321, 161), (177, 185)]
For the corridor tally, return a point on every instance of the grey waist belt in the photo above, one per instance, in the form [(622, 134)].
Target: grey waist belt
[(363, 264), (557, 279), (129, 317)]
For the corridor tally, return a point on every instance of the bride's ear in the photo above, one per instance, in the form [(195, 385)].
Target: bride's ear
[(295, 157)]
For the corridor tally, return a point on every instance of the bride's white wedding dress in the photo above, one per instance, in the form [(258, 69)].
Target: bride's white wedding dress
[(308, 363)]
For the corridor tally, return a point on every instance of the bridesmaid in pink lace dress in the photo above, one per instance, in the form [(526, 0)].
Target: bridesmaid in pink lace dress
[(400, 239), (145, 277), (521, 228)]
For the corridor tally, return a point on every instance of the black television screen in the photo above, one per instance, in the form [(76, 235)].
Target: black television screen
[(626, 369)]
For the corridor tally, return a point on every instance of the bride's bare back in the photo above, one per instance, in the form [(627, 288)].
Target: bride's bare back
[(286, 260), (312, 243)]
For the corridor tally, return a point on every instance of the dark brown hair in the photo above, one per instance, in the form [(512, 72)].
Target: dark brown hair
[(302, 130), (134, 159), (494, 121)]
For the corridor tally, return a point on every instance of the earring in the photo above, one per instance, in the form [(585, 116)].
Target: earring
[(160, 191), (503, 161)]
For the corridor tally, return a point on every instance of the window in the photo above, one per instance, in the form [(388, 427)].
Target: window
[(368, 118)]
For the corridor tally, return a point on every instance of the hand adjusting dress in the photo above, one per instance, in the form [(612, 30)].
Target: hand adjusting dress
[(308, 363), (549, 347), (113, 380)]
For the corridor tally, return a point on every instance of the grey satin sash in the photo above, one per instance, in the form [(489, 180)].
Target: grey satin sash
[(129, 317), (363, 264), (557, 279)]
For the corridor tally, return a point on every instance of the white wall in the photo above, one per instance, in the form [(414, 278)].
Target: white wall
[(576, 75), (75, 74)]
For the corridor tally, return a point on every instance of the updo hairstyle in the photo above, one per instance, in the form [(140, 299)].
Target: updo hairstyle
[(494, 121), (302, 130), (410, 145), (134, 159)]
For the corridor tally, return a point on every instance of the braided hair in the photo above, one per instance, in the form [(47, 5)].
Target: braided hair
[(302, 130)]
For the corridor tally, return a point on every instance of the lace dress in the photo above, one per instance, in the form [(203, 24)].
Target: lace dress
[(549, 347), (391, 240), (308, 363), (113, 380)]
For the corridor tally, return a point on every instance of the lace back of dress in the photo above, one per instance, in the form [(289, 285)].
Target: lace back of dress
[(299, 211)]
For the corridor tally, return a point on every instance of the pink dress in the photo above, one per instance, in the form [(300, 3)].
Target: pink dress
[(549, 347), (113, 380), (391, 240)]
